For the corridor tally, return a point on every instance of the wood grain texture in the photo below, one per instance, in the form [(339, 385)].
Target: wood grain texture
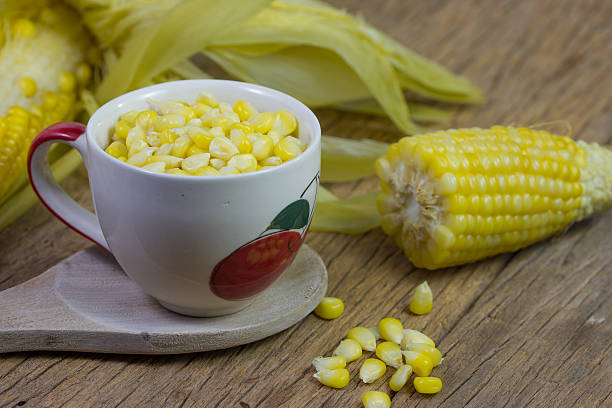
[(525, 329)]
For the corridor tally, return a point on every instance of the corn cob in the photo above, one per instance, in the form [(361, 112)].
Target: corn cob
[(42, 66), (458, 196)]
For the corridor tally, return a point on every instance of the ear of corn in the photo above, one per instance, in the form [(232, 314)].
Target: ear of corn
[(458, 196), (43, 52)]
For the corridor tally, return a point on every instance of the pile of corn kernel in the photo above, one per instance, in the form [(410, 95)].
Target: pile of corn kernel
[(408, 351), (207, 138)]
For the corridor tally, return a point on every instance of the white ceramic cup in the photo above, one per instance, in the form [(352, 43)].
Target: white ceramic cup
[(201, 245)]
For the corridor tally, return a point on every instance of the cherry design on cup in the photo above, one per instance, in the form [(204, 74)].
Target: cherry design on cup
[(257, 264)]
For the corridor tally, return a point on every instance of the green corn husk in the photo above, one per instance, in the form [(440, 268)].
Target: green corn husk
[(313, 51), (346, 159), (349, 216)]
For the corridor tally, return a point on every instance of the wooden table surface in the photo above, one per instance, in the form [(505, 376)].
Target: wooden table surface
[(525, 329)]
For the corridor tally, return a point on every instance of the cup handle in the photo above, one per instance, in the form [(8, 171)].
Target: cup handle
[(50, 193)]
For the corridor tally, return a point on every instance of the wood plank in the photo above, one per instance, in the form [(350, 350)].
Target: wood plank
[(528, 329)]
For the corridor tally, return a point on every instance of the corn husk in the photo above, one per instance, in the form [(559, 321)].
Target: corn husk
[(315, 52), (346, 159), (348, 216)]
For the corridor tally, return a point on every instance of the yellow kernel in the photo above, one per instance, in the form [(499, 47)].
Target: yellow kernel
[(427, 385), (169, 161), (202, 138), (122, 128), (28, 86), (117, 149), (169, 121), (130, 117), (275, 136), (50, 100), (206, 171), (376, 399), (329, 363), (24, 27), (246, 129), (390, 353), (196, 161), (157, 167), (400, 377), (422, 300), (222, 122), (329, 308), (272, 161), (391, 329), (181, 145), (287, 149), (200, 109), (375, 332), (133, 135), (364, 337), (83, 74), (193, 150), (177, 172), (371, 370), (337, 378), (145, 119), (222, 148), (137, 146), (228, 170), (350, 349), (217, 163), (420, 363), (263, 147), (244, 110), (67, 81), (262, 122), (430, 351), (284, 123), (168, 136), (245, 163), (207, 98), (242, 142)]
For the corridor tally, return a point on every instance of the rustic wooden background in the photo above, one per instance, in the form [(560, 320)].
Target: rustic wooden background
[(525, 329)]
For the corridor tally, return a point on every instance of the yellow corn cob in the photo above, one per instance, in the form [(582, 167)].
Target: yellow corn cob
[(41, 66), (457, 196)]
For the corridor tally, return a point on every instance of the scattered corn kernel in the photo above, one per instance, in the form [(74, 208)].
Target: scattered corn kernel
[(420, 363), (427, 385), (433, 353), (67, 82), (376, 399), (422, 300), (364, 337), (350, 349), (337, 378), (329, 363), (414, 336), (375, 332), (391, 329), (390, 353), (400, 377), (371, 370), (329, 308)]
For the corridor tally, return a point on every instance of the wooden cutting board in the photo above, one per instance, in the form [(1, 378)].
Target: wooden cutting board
[(87, 303)]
